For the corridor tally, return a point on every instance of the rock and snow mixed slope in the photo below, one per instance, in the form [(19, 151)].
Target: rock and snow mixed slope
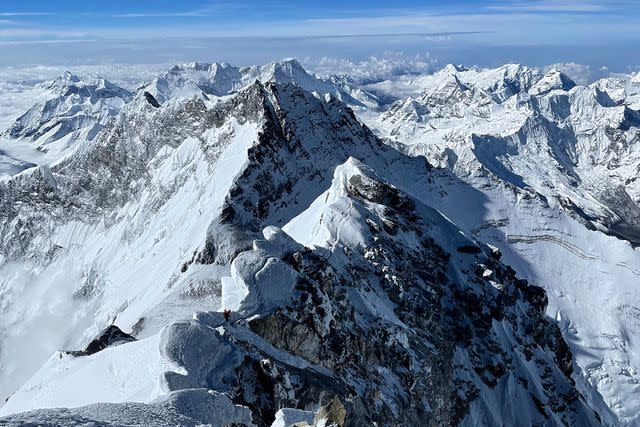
[(256, 189), (138, 226), (551, 171), (76, 107), (218, 79)]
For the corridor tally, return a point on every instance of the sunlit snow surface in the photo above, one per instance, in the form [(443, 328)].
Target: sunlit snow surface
[(506, 190), (19, 90), (111, 259)]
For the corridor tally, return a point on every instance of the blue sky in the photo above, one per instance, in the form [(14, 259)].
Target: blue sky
[(595, 32)]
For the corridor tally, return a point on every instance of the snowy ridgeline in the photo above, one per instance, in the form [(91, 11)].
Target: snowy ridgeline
[(348, 257)]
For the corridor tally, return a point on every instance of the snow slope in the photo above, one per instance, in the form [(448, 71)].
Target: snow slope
[(75, 108), (350, 262), (219, 79), (146, 241), (377, 232), (547, 170), (77, 237)]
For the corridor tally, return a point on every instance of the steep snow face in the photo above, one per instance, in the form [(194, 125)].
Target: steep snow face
[(114, 256), (552, 80), (358, 315), (577, 143), (69, 381), (215, 80), (81, 231), (545, 168), (75, 108), (218, 187)]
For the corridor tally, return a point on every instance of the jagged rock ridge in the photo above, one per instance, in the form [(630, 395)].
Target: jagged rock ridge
[(376, 298)]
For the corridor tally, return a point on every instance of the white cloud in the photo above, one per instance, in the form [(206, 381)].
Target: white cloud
[(580, 73), (43, 41), (549, 6), (209, 10), (160, 15), (34, 32), (25, 13), (18, 90), (568, 6), (389, 65)]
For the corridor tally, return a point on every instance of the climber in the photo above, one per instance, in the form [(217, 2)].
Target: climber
[(226, 313)]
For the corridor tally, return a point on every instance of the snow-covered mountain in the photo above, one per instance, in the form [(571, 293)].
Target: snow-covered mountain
[(553, 169), (219, 79), (351, 261), (75, 108)]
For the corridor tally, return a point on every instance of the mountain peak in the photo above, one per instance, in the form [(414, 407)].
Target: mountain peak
[(512, 67), (69, 79), (287, 69), (451, 69), (330, 258), (553, 79), (77, 104), (210, 67), (291, 63), (69, 76)]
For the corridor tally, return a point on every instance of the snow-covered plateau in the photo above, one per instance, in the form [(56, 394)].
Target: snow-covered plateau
[(265, 246)]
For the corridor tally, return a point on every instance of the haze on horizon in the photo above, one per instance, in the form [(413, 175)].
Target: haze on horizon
[(596, 33)]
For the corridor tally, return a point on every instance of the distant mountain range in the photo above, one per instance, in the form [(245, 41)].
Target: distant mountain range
[(265, 246)]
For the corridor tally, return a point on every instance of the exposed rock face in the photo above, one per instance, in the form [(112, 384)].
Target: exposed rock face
[(380, 317), (538, 133), (110, 336), (152, 100), (351, 300), (554, 165), (78, 106)]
